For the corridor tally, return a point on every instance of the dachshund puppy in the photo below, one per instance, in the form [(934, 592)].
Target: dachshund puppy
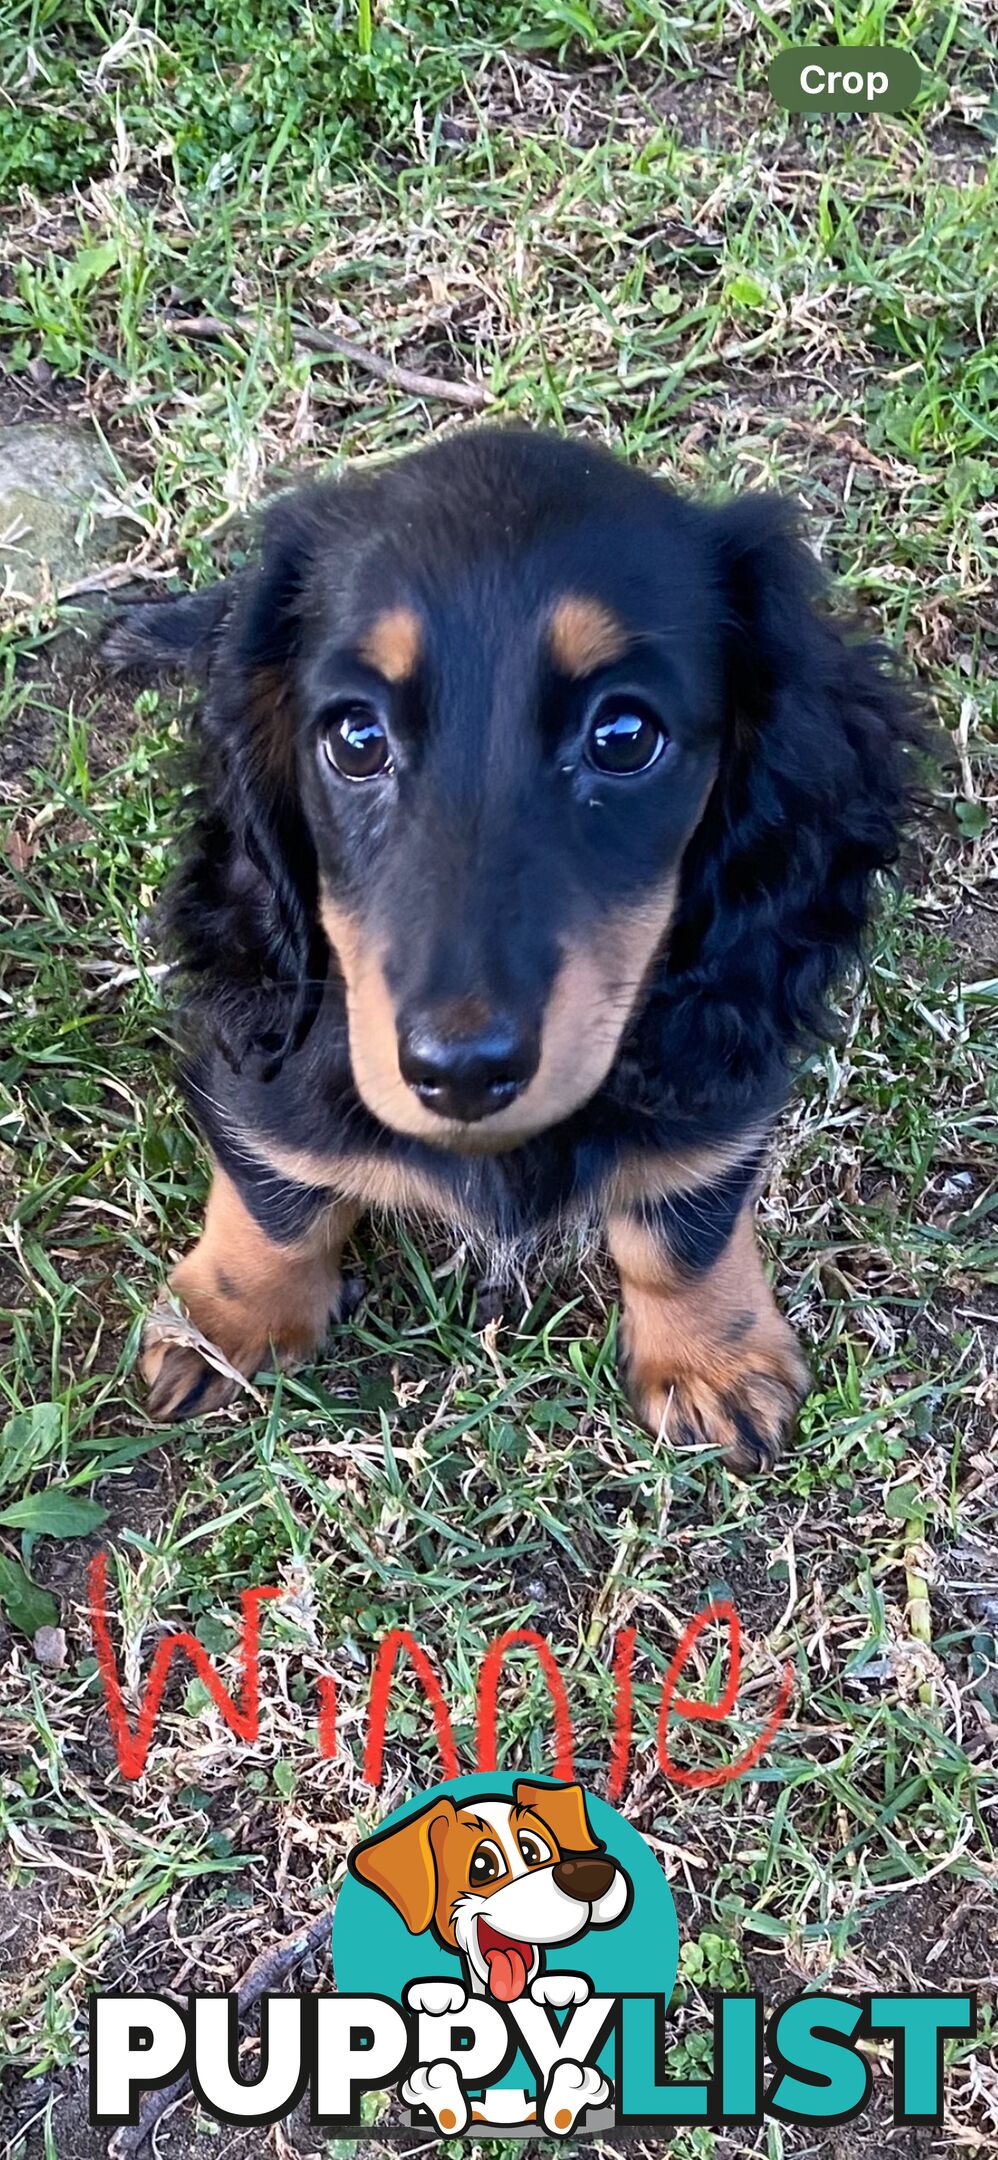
[(540, 811)]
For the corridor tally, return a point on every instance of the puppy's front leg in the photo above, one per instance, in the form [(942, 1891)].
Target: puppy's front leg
[(707, 1356), (248, 1295)]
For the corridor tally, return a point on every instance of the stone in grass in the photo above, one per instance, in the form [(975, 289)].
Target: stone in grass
[(58, 511)]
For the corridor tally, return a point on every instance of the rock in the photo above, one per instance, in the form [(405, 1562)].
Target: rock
[(58, 510), (50, 1648)]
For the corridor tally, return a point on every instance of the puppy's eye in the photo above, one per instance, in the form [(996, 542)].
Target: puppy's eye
[(355, 742), (624, 737), (487, 1864), (533, 1849)]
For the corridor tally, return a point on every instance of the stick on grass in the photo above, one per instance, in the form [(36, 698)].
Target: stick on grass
[(472, 395), (267, 1971)]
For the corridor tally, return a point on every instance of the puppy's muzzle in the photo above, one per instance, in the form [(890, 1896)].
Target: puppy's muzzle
[(466, 1067), (586, 1876)]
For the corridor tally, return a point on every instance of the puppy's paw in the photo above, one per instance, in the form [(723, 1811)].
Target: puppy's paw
[(436, 1998), (185, 1372), (559, 1989), (707, 1357), (571, 2088), (246, 1301), (437, 2087), (743, 1405), (199, 1360)]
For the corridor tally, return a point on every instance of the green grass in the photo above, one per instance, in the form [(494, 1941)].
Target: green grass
[(600, 217)]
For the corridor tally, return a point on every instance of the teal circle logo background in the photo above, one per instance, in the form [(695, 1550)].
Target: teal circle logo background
[(374, 1953)]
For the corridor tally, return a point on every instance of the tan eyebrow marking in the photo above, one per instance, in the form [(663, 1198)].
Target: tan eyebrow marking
[(583, 634), (393, 644)]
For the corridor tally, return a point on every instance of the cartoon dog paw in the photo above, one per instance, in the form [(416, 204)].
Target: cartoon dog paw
[(572, 2087), (558, 1989), (435, 1998), (437, 2087)]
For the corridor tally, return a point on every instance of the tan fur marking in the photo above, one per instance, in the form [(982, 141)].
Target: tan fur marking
[(709, 1358), (371, 1181), (594, 994), (393, 644), (648, 1174), (246, 1295), (583, 635), (376, 1181), (270, 718)]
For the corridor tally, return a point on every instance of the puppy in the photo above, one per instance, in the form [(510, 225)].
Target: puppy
[(496, 1880), (541, 810)]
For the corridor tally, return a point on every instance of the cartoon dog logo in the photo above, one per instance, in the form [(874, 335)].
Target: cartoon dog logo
[(499, 1881)]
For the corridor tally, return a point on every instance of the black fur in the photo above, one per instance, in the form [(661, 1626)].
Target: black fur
[(694, 1227), (794, 725)]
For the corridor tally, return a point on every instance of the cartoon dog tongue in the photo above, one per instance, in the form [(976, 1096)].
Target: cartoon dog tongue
[(508, 1962)]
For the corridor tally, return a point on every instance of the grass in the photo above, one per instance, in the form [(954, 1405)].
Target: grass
[(600, 217)]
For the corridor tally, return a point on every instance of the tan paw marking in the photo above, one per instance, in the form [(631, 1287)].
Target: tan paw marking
[(708, 1361), (247, 1302), (748, 1415)]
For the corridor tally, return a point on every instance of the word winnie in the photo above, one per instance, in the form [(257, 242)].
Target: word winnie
[(241, 1712)]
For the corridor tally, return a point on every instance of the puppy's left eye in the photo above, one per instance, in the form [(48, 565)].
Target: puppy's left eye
[(355, 741), (625, 737), (533, 1849), (487, 1863)]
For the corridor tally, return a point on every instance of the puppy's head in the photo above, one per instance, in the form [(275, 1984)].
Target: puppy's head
[(507, 733), (498, 1879)]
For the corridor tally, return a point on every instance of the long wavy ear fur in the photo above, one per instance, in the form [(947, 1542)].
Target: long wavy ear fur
[(183, 630), (241, 911), (814, 788)]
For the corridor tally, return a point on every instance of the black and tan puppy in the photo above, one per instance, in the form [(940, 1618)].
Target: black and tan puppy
[(541, 810)]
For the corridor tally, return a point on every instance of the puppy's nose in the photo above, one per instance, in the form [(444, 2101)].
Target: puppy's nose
[(466, 1063), (586, 1876)]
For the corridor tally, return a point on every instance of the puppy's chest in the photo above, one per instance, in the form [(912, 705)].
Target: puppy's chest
[(291, 1148), (504, 1205), (289, 1153)]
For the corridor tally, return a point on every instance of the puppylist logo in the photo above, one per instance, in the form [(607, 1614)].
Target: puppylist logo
[(504, 1953)]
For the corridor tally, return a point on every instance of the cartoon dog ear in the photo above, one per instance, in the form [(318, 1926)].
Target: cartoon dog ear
[(401, 1864), (563, 1808)]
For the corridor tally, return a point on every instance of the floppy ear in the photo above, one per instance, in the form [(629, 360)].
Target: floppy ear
[(179, 631), (563, 1808), (401, 1864), (242, 911), (815, 783)]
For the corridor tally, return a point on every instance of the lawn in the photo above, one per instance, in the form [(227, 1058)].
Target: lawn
[(597, 219)]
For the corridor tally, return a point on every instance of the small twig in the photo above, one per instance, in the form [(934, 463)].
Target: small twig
[(214, 330), (267, 1971), (167, 1323), (114, 977)]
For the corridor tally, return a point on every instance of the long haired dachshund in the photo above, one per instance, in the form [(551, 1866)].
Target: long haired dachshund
[(540, 811)]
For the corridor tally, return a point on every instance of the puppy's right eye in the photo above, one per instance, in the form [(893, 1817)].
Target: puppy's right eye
[(625, 737), (486, 1863), (355, 741)]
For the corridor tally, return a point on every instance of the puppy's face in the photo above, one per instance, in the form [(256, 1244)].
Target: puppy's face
[(508, 709), (496, 1880)]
